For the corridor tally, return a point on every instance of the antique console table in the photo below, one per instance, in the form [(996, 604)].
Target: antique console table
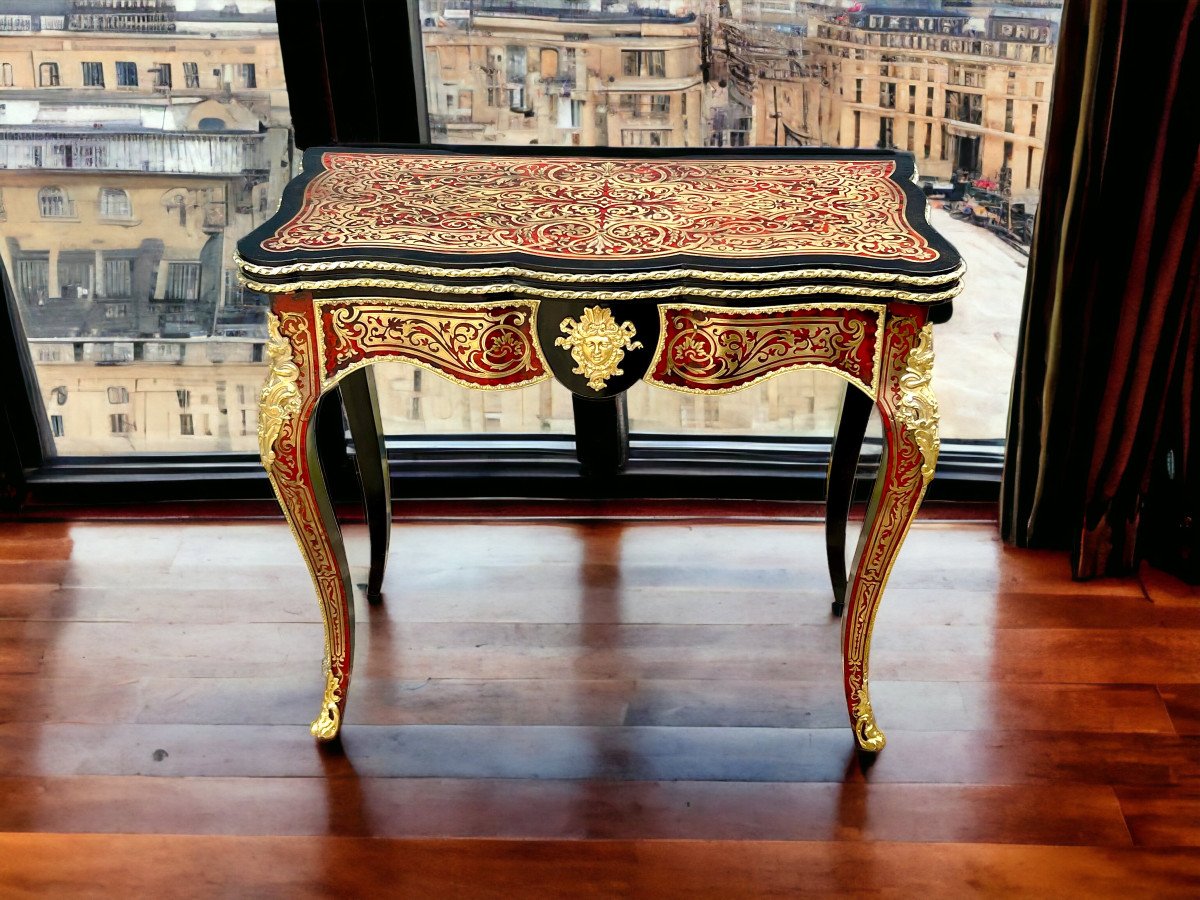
[(698, 271)]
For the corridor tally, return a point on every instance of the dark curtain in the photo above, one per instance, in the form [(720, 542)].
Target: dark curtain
[(1102, 454)]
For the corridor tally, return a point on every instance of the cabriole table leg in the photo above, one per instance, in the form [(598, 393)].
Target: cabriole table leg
[(289, 454), (910, 429)]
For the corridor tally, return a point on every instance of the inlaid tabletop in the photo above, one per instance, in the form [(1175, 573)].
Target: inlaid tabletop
[(768, 216)]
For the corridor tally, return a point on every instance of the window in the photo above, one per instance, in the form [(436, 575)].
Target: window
[(185, 424), (928, 139), (118, 277), (56, 426), (116, 310), (929, 101), (246, 75), (118, 423), (637, 137), (127, 75), (54, 204), (912, 98), (858, 90), (191, 75), (93, 74), (75, 275), (1008, 115), (1033, 121), (887, 95), (1038, 87), (6, 75), (118, 395), (114, 204), (33, 280), (644, 63), (885, 132), (48, 74), (912, 136), (183, 281), (184, 397), (162, 75)]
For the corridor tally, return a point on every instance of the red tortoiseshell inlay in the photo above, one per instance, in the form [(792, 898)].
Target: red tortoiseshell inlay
[(486, 346), (617, 209), (720, 350)]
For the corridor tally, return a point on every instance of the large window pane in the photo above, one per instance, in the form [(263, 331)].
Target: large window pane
[(120, 210), (964, 86)]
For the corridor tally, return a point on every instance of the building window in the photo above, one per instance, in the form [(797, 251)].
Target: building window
[(912, 99), (118, 395), (1033, 121), (858, 90), (75, 276), (118, 423), (887, 95), (183, 281), (118, 277), (1038, 87), (114, 204), (642, 105), (54, 203), (857, 128), (185, 424), (912, 136), (644, 63), (93, 74), (637, 137), (246, 75), (184, 396), (56, 426), (928, 139), (191, 75), (162, 75), (885, 132), (127, 74), (1008, 115), (116, 310), (48, 75), (33, 280), (6, 76)]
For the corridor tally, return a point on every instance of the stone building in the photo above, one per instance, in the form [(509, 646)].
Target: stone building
[(589, 74), (962, 100), (137, 144)]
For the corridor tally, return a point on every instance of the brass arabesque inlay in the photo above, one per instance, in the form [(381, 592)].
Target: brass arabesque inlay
[(597, 344)]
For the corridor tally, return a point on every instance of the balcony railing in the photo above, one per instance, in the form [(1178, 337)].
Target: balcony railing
[(156, 153)]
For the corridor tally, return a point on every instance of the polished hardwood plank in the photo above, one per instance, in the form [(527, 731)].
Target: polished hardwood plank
[(587, 708), (271, 866)]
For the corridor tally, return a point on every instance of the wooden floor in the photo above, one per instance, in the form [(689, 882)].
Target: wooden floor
[(568, 709)]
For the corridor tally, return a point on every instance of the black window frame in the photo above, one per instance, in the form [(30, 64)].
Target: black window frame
[(345, 69)]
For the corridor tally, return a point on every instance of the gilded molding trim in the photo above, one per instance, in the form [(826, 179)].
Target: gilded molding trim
[(604, 278), (918, 408), (279, 400), (597, 344), (508, 287)]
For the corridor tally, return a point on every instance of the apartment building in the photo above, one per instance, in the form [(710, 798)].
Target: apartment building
[(562, 74)]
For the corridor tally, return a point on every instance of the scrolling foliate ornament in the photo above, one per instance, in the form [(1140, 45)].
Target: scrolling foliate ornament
[(597, 344), (280, 397), (325, 726), (867, 733), (918, 409)]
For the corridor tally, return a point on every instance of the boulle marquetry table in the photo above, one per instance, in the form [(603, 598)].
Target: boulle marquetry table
[(702, 272)]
